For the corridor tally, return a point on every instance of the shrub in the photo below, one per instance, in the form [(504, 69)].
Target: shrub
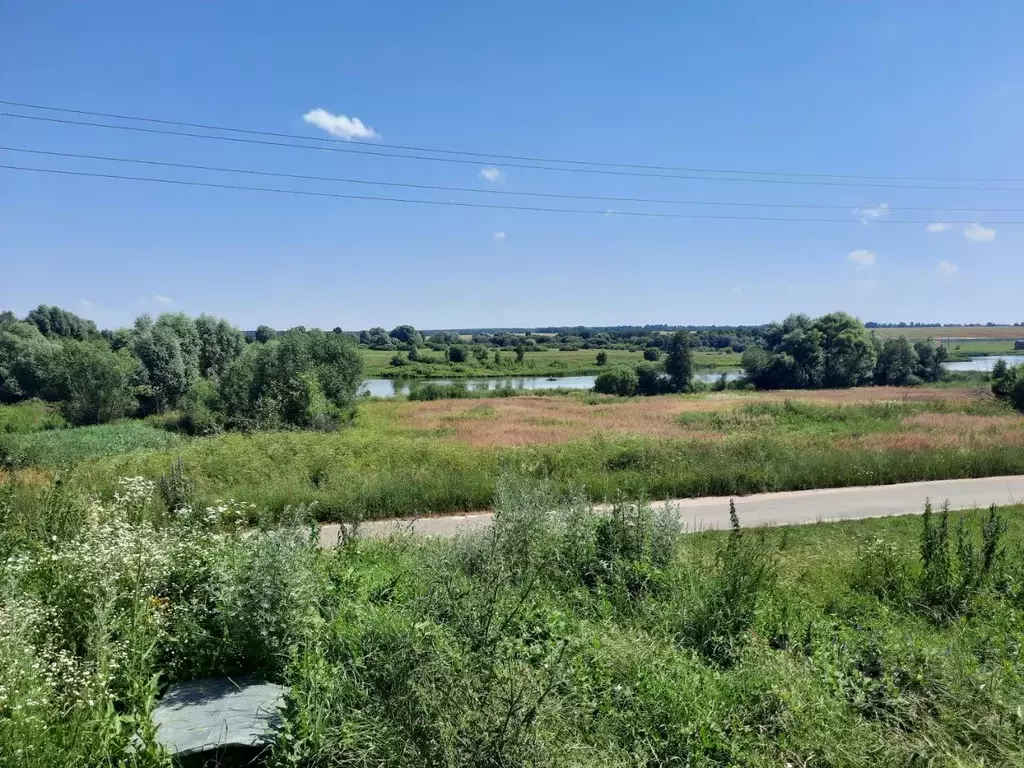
[(621, 381), (652, 354), (651, 381), (602, 358), (457, 354), (93, 382), (1008, 384)]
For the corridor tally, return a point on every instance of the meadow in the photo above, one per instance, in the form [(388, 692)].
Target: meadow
[(558, 638), (547, 362), (957, 332), (402, 458)]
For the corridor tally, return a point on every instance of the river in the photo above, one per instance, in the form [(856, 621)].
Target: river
[(396, 387)]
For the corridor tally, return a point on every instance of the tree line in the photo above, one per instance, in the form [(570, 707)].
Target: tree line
[(202, 368)]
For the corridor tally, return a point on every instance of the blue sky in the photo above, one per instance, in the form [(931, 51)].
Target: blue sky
[(868, 88)]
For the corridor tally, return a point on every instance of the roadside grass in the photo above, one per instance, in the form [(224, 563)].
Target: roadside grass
[(558, 637), (392, 463)]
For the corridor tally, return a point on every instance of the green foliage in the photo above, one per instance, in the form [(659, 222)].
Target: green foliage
[(897, 363), (602, 358), (58, 448), (1008, 384), (265, 333), (29, 416), (93, 383), (620, 380), (164, 375), (26, 362), (651, 381), (457, 354), (406, 334), (219, 344), (651, 354), (58, 323), (301, 379), (679, 362)]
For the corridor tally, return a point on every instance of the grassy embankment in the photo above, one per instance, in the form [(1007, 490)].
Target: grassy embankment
[(558, 638), (402, 458), (553, 362)]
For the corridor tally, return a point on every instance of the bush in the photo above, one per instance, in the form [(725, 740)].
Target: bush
[(651, 381), (93, 382), (602, 358), (1008, 384), (652, 354), (457, 354), (621, 381)]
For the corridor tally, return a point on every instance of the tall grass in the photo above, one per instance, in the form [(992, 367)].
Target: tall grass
[(57, 448), (557, 637)]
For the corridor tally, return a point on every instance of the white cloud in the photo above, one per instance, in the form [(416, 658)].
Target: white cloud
[(979, 234), (863, 259), (86, 303), (867, 215), (162, 299), (342, 126), (491, 174), (946, 268), (499, 235), (737, 290), (938, 226)]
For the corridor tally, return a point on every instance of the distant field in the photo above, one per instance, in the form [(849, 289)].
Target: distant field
[(541, 363), (955, 332)]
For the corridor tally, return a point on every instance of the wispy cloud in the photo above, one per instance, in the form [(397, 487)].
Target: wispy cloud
[(492, 175), (938, 226), (862, 258), (867, 215), (979, 234), (86, 303), (499, 235), (946, 268), (737, 290), (342, 126), (162, 299)]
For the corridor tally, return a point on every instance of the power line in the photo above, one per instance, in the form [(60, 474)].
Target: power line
[(459, 204), (497, 156), (359, 150), (441, 188)]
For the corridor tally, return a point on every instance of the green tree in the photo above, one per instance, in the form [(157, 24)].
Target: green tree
[(848, 355), (520, 353), (602, 358), (679, 362), (184, 329), (406, 334), (265, 333), (219, 344), (414, 353), (652, 354), (457, 354), (650, 380), (163, 376), (929, 360), (27, 360), (619, 380), (480, 353), (55, 322), (94, 382), (897, 361)]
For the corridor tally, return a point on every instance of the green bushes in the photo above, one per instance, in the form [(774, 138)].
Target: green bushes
[(621, 381), (58, 448), (1008, 384)]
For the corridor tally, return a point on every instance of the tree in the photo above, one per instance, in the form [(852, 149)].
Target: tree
[(602, 358), (414, 353), (457, 354), (376, 338), (848, 356), (184, 329), (652, 354), (219, 344), (302, 378), (650, 380), (27, 362), (55, 322), (265, 333), (497, 357), (619, 380), (679, 363), (897, 361), (929, 360), (163, 377), (406, 334), (94, 382), (480, 353), (1009, 385), (520, 353)]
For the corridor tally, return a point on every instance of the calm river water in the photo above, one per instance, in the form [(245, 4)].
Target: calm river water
[(395, 387)]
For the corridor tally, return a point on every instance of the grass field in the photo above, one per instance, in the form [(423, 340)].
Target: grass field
[(965, 348), (997, 332), (542, 363), (403, 458), (558, 638)]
